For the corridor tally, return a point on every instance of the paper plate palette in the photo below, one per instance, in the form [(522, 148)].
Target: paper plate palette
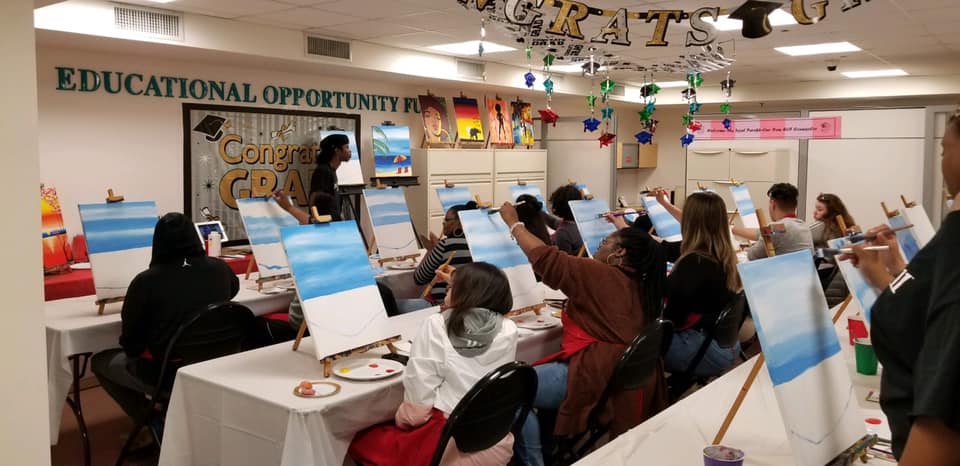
[(405, 265), (81, 266), (533, 321), (367, 369), (320, 389)]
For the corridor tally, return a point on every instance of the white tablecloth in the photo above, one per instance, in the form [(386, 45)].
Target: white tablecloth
[(73, 327), (678, 435), (240, 410), (400, 281)]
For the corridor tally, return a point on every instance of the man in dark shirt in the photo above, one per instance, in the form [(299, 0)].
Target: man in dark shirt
[(324, 190), (180, 279)]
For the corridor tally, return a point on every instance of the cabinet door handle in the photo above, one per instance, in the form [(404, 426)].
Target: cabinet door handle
[(753, 153), (703, 152)]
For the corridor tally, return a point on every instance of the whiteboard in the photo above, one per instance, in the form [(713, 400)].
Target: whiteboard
[(576, 155)]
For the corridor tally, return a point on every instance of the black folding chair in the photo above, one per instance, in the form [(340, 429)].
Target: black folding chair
[(726, 331), (638, 363), (496, 405), (211, 332)]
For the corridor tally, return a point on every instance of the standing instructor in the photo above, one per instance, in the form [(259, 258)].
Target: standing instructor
[(324, 189)]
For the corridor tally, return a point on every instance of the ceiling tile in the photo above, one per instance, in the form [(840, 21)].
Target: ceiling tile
[(371, 29), (416, 39), (303, 16), (228, 8), (374, 9)]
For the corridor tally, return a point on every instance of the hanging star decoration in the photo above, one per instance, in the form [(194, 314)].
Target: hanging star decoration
[(606, 113), (695, 107), (725, 107), (726, 86), (644, 137), (548, 86), (645, 115), (530, 79), (651, 107), (606, 86), (591, 101), (695, 79), (727, 124), (687, 139), (695, 126), (687, 119), (649, 90), (590, 124), (548, 116), (548, 60), (606, 139)]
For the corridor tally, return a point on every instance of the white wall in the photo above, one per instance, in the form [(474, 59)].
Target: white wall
[(24, 431), (879, 157)]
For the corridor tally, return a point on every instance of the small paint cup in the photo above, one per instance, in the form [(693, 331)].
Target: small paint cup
[(719, 455), (857, 329), (866, 357)]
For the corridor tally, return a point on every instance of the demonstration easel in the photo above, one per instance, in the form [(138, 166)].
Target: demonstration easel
[(102, 303)]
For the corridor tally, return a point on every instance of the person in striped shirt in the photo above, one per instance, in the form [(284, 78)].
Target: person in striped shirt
[(453, 242)]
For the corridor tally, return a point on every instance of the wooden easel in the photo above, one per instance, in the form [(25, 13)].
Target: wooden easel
[(906, 203), (583, 251), (521, 183), (585, 195), (889, 213), (481, 204), (536, 308), (329, 360), (384, 260), (102, 303), (447, 184)]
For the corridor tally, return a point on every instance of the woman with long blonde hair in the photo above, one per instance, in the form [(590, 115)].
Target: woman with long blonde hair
[(703, 282)]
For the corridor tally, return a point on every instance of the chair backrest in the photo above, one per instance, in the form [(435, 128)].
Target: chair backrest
[(639, 361), (495, 405), (726, 330), (389, 300), (826, 275)]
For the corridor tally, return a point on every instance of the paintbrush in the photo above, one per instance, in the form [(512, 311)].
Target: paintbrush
[(620, 213), (831, 252), (497, 209), (858, 237), (433, 282)]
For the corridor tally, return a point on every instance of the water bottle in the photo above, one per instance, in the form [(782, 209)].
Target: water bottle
[(214, 240)]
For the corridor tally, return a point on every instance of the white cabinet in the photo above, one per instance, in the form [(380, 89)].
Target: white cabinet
[(486, 173), (759, 167)]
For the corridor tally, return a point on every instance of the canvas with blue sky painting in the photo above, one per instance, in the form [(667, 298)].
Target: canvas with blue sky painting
[(349, 172), (908, 242), (489, 241), (593, 228), (745, 207), (335, 284), (923, 230), (666, 225), (529, 189), (450, 197), (119, 241), (808, 371), (862, 292), (391, 222), (391, 151), (263, 218)]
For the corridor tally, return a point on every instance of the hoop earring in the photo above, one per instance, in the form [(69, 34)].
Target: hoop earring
[(618, 264), (458, 232)]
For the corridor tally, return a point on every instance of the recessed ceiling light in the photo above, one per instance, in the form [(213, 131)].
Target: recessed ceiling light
[(818, 49), (875, 73), (470, 47), (777, 18)]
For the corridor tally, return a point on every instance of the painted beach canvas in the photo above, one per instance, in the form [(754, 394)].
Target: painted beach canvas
[(469, 126), (263, 218), (335, 283), (391, 222), (349, 172), (120, 241), (500, 123), (745, 207), (529, 189), (391, 151), (436, 120), (593, 228), (450, 197), (666, 225), (909, 246), (923, 230), (489, 241), (52, 232), (810, 377), (521, 119), (862, 292)]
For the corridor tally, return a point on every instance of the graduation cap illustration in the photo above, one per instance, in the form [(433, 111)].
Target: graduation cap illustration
[(756, 17), (212, 126)]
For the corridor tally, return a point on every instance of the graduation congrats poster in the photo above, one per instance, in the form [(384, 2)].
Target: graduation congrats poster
[(235, 153)]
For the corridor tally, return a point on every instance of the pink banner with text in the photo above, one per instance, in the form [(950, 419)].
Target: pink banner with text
[(771, 128)]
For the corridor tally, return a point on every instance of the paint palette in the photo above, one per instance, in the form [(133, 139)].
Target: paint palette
[(80, 266), (316, 389), (531, 320), (404, 265), (367, 369)]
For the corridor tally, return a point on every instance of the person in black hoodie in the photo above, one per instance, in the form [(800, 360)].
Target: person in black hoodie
[(180, 279)]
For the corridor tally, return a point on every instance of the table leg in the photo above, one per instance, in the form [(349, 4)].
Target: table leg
[(79, 362)]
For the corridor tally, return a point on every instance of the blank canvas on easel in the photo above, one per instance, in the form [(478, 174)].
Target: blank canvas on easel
[(335, 284), (745, 207), (456, 195), (120, 241), (263, 218), (922, 228), (593, 227), (862, 292), (810, 376), (391, 222), (489, 241), (349, 173), (666, 225)]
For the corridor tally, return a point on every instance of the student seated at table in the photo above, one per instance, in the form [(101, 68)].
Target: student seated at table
[(612, 298), (452, 243), (825, 228), (790, 234), (452, 351), (566, 235), (181, 279), (530, 211), (702, 283)]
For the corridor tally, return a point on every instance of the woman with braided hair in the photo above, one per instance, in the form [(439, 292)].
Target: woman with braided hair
[(612, 298)]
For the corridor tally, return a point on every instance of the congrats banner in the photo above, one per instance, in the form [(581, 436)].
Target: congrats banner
[(770, 128), (233, 153)]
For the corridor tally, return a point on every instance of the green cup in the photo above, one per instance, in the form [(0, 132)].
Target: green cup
[(866, 357)]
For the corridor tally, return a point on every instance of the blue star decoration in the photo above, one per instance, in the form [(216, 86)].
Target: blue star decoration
[(686, 140), (644, 137), (727, 123), (651, 107), (694, 107), (591, 124), (530, 79), (548, 86), (606, 113)]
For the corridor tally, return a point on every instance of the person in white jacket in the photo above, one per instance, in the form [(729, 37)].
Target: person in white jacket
[(452, 351)]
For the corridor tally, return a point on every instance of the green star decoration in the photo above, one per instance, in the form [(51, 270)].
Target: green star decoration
[(591, 100), (687, 119), (529, 52), (695, 80), (725, 108), (645, 115), (606, 113), (548, 59), (607, 85), (654, 89)]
